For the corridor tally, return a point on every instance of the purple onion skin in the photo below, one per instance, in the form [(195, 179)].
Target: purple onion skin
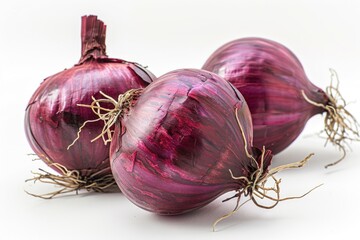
[(53, 118), (178, 142), (271, 78)]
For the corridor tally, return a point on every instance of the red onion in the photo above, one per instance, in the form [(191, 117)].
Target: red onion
[(280, 96), (53, 118), (185, 140)]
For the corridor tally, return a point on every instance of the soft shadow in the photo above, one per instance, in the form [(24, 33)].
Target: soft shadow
[(322, 157), (205, 217), (43, 190)]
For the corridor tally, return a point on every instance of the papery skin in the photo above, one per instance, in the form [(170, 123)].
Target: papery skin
[(178, 142), (271, 78), (53, 118)]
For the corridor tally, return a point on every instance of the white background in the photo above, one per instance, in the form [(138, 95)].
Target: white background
[(40, 38)]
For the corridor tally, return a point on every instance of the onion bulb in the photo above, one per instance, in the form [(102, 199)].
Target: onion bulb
[(185, 140), (53, 116), (280, 96)]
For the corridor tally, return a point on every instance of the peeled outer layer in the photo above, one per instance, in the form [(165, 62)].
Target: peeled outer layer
[(53, 118), (177, 144), (271, 79)]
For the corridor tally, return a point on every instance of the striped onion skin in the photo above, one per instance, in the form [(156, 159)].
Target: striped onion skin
[(271, 79), (52, 117), (173, 151)]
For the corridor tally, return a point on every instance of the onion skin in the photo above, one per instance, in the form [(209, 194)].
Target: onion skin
[(178, 142), (271, 79), (53, 118)]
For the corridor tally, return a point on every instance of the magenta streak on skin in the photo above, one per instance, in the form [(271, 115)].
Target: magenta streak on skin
[(271, 78), (53, 118), (186, 138)]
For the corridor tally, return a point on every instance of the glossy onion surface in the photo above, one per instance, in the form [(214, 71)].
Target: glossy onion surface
[(271, 79), (179, 141)]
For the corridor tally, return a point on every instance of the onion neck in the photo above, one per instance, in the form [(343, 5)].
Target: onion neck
[(93, 34)]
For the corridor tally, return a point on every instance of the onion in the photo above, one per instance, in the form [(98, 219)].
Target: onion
[(280, 96), (185, 140), (53, 118)]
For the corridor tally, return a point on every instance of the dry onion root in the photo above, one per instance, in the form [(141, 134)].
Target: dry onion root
[(255, 185), (256, 188), (109, 116), (72, 181), (340, 126)]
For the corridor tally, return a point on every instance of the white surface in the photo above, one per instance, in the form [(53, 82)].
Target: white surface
[(40, 38)]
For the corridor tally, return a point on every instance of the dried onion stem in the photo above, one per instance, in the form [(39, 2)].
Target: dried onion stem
[(340, 125)]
